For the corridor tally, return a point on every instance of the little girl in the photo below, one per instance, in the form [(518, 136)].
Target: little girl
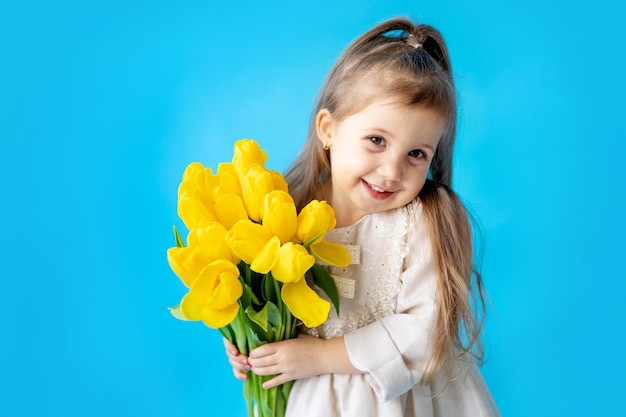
[(379, 150)]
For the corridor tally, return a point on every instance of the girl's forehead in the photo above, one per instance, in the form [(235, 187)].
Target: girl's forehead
[(381, 107)]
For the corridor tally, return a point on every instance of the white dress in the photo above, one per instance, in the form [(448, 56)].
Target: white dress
[(387, 310)]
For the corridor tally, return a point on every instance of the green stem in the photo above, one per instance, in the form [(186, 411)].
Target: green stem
[(238, 327), (228, 333), (248, 395)]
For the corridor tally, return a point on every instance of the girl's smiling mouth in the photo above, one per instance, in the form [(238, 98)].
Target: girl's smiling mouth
[(375, 191)]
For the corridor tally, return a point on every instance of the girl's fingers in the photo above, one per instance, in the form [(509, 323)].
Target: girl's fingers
[(242, 376), (230, 348), (274, 382), (265, 370), (262, 362), (264, 350), (238, 361), (239, 364)]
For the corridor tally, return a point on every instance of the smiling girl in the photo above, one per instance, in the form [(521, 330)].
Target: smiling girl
[(380, 151)]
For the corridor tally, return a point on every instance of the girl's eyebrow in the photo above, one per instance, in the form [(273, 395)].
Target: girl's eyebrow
[(427, 146), (380, 130)]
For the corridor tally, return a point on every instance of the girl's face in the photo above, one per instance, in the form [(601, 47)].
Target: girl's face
[(379, 156)]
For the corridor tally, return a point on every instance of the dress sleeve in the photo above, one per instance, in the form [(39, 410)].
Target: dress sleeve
[(395, 350)]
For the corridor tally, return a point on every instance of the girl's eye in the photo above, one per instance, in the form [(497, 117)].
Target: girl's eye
[(377, 140), (417, 153)]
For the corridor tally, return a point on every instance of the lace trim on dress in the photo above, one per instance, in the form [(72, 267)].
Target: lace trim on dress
[(377, 277)]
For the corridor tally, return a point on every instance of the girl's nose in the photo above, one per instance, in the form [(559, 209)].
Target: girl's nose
[(391, 169)]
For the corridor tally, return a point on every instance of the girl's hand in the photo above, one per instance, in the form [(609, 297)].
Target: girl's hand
[(238, 361), (298, 358)]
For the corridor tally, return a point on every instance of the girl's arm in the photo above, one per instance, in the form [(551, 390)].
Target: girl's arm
[(298, 358)]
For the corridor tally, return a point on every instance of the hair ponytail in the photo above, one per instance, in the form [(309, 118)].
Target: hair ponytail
[(460, 297)]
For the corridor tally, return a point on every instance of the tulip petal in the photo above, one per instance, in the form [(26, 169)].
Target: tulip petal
[(219, 318), (227, 291), (228, 179), (246, 153), (187, 263), (255, 184), (216, 289), (331, 253), (193, 172), (246, 239), (229, 210), (279, 215), (192, 211), (315, 219), (292, 263), (264, 261), (191, 306), (305, 304), (279, 181), (176, 257)]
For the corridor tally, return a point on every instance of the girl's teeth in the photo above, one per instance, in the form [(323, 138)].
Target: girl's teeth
[(375, 188)]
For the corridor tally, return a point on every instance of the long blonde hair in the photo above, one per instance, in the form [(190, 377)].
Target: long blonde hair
[(409, 64)]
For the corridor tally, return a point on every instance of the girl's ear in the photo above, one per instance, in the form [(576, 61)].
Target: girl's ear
[(325, 126)]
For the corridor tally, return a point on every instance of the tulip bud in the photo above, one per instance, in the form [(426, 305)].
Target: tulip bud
[(292, 263), (246, 239), (279, 215), (248, 153), (213, 295), (315, 219)]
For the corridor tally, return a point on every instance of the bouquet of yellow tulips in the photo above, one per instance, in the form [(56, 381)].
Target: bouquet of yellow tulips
[(249, 260)]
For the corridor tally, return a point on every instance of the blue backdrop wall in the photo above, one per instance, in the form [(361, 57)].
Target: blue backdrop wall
[(103, 104)]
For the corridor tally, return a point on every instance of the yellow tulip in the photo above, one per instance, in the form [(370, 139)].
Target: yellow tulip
[(279, 181), (265, 260), (206, 243), (228, 179), (315, 219), (255, 184), (279, 215), (331, 253), (193, 172), (211, 237), (200, 179), (229, 209), (304, 303), (213, 296), (188, 262), (192, 210), (248, 153), (195, 202), (292, 263), (246, 239)]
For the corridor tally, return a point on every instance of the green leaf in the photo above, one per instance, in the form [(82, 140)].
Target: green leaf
[(228, 333), (252, 339), (267, 322), (179, 240), (177, 313), (312, 240), (248, 297), (259, 318), (238, 326), (251, 322), (268, 290), (322, 279), (273, 314)]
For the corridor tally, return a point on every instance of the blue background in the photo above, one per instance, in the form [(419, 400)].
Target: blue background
[(103, 104)]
